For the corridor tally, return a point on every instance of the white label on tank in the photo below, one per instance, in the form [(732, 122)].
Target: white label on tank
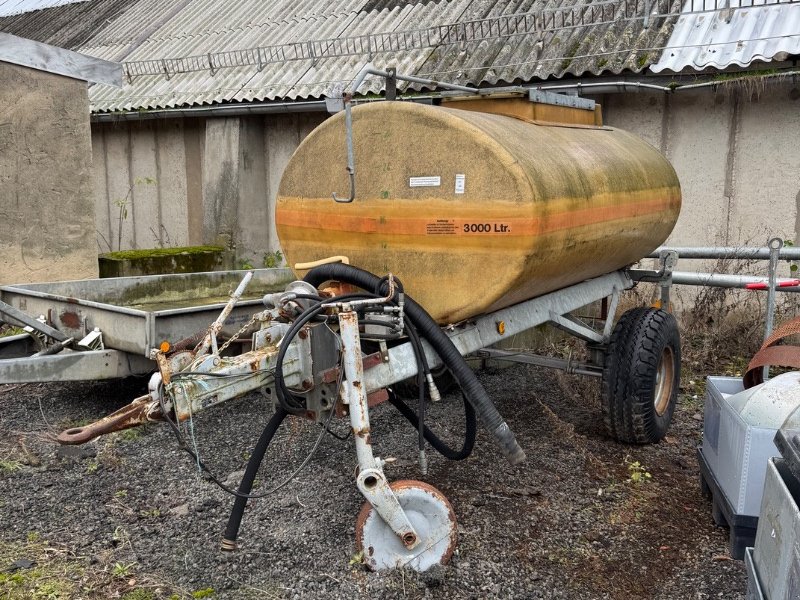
[(425, 181), (461, 181)]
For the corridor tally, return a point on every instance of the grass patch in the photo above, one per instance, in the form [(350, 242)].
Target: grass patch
[(36, 569)]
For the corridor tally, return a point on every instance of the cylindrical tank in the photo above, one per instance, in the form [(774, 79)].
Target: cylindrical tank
[(475, 211)]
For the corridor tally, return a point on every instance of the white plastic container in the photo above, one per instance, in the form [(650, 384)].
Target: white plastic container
[(739, 428)]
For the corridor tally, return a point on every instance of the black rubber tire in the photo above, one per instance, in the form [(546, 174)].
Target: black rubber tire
[(645, 343)]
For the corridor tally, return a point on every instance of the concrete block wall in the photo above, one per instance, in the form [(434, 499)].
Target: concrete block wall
[(735, 152), (194, 181), (47, 217)]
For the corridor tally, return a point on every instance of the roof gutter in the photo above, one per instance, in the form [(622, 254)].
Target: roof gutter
[(232, 110), (615, 87), (618, 87), (225, 110)]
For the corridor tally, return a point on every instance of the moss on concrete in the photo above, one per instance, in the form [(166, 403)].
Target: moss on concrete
[(149, 252), (161, 261)]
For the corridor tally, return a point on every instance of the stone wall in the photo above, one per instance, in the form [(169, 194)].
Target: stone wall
[(47, 216)]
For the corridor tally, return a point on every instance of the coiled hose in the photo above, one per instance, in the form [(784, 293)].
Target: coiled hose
[(441, 343)]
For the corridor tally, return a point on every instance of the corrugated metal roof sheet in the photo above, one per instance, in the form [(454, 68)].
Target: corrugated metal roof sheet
[(749, 31), (186, 52), (14, 7)]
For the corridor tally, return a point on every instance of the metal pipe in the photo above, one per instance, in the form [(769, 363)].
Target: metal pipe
[(616, 87), (724, 281), (368, 69), (742, 252), (775, 245), (695, 86)]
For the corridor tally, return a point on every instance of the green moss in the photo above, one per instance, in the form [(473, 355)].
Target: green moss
[(745, 75), (573, 49), (138, 594), (641, 61), (151, 252)]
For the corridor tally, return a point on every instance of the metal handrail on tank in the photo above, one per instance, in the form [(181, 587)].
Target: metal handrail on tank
[(368, 69)]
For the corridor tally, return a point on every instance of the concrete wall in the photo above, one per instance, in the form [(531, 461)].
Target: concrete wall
[(177, 182), (736, 152), (47, 217), (215, 180)]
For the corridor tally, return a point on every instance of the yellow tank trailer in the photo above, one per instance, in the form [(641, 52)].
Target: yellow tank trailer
[(494, 209)]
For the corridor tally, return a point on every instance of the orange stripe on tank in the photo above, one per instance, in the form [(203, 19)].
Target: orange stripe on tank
[(516, 225)]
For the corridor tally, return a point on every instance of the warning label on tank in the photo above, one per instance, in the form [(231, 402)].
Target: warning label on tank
[(441, 227), (461, 181), (435, 181)]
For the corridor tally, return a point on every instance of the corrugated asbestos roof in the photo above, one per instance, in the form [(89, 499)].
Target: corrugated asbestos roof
[(747, 31), (13, 7), (193, 52)]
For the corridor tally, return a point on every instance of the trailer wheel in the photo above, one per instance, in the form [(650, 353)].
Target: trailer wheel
[(641, 376)]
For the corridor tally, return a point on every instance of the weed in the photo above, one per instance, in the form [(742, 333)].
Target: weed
[(138, 594), (152, 513), (9, 466), (245, 265), (273, 259), (356, 559), (204, 593), (637, 472), (92, 466), (121, 570), (128, 435), (121, 494), (8, 330)]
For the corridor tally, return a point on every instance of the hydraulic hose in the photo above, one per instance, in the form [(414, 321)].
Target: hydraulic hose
[(433, 439), (246, 485), (428, 328)]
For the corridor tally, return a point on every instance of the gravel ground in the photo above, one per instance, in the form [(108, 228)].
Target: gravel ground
[(128, 516)]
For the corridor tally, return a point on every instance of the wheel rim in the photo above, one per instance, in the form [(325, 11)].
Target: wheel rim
[(665, 375), (431, 515)]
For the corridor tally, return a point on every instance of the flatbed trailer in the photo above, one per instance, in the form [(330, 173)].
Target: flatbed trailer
[(133, 316)]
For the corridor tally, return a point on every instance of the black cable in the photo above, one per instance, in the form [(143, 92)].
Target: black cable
[(471, 425)]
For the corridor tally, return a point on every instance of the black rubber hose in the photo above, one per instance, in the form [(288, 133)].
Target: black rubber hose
[(433, 439), (428, 328), (246, 485)]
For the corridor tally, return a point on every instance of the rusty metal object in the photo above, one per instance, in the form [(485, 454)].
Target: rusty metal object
[(164, 368), (142, 410), (433, 519), (773, 354)]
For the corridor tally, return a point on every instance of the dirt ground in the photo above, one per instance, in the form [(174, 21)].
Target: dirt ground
[(128, 516)]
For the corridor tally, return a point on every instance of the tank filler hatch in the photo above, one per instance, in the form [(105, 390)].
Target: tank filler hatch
[(534, 106)]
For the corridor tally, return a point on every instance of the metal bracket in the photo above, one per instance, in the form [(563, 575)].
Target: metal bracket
[(551, 362), (371, 481), (575, 327)]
